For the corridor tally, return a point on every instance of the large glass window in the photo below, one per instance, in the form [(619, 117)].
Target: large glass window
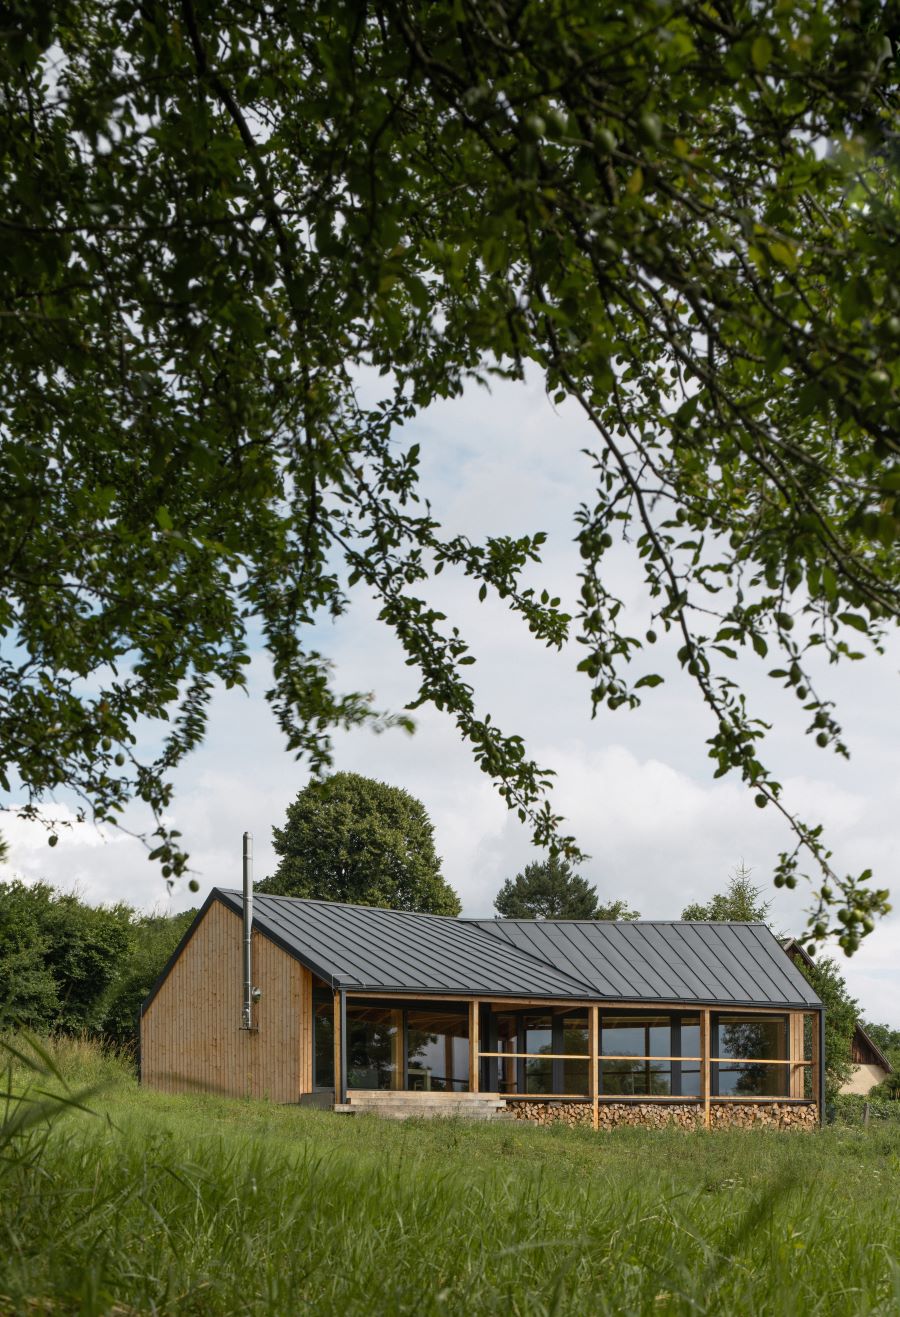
[(323, 1044), (507, 1026), (744, 1044), (688, 1072), (574, 1040), (437, 1050), (644, 1037), (538, 1031), (374, 1047)]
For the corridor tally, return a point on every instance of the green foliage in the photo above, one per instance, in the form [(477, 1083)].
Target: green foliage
[(153, 940), (549, 889), (686, 220), (69, 966), (741, 900), (850, 1108), (841, 1016), (888, 1039), (198, 1204), (350, 838), (58, 956)]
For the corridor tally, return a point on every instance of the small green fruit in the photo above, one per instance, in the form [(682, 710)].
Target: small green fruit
[(605, 141), (535, 127), (651, 127), (557, 122), (822, 740)]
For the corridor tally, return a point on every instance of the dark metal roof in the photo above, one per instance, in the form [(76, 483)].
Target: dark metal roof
[(725, 963), (361, 947)]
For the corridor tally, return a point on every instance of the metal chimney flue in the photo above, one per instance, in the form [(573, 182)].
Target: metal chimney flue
[(247, 1010)]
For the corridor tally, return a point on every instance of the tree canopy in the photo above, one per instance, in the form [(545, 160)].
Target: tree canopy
[(685, 216), (350, 838), (70, 966), (741, 900), (550, 889)]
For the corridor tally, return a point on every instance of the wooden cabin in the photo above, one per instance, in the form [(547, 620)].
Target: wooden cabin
[(582, 1021)]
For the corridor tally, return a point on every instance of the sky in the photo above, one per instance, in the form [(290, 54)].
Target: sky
[(635, 787)]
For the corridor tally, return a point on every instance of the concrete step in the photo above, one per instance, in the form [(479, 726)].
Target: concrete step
[(396, 1105), (399, 1112), (419, 1094)]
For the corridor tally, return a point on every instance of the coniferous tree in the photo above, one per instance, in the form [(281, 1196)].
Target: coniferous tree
[(742, 900), (549, 889)]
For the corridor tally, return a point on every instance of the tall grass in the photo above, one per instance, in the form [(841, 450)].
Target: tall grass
[(204, 1205)]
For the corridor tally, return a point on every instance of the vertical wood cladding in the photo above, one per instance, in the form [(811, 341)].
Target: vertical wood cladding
[(191, 1037)]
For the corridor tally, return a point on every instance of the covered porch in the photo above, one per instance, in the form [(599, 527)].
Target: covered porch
[(584, 1057)]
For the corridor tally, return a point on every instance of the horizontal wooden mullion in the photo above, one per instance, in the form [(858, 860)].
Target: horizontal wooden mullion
[(738, 1097), (603, 1056), (754, 1060), (540, 1056)]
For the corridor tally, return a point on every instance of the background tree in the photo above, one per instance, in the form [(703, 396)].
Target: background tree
[(58, 956), (684, 218), (350, 838), (741, 900), (154, 938), (549, 889), (72, 967), (841, 1018)]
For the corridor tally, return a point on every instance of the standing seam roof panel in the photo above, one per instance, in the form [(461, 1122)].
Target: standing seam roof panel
[(787, 973), (727, 977), (364, 947), (693, 957), (700, 961), (748, 965), (407, 939), (677, 972)]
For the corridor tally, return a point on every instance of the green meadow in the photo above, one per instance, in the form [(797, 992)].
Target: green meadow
[(146, 1203)]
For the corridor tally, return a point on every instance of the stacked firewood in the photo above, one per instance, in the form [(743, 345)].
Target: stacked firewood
[(774, 1115), (658, 1115)]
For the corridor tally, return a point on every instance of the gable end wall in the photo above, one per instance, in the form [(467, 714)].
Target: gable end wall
[(191, 1037)]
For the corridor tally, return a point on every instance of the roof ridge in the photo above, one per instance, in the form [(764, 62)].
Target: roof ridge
[(350, 905), (619, 923)]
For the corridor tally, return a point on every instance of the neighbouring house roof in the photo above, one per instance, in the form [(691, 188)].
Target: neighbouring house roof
[(362, 948), (864, 1048)]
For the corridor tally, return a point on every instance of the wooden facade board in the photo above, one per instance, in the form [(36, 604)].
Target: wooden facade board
[(191, 1039)]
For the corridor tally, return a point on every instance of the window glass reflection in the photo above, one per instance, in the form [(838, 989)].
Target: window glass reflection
[(323, 1045), (538, 1038), (758, 1039), (690, 1047), (507, 1025), (755, 1080), (575, 1041), (437, 1051), (374, 1043)]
